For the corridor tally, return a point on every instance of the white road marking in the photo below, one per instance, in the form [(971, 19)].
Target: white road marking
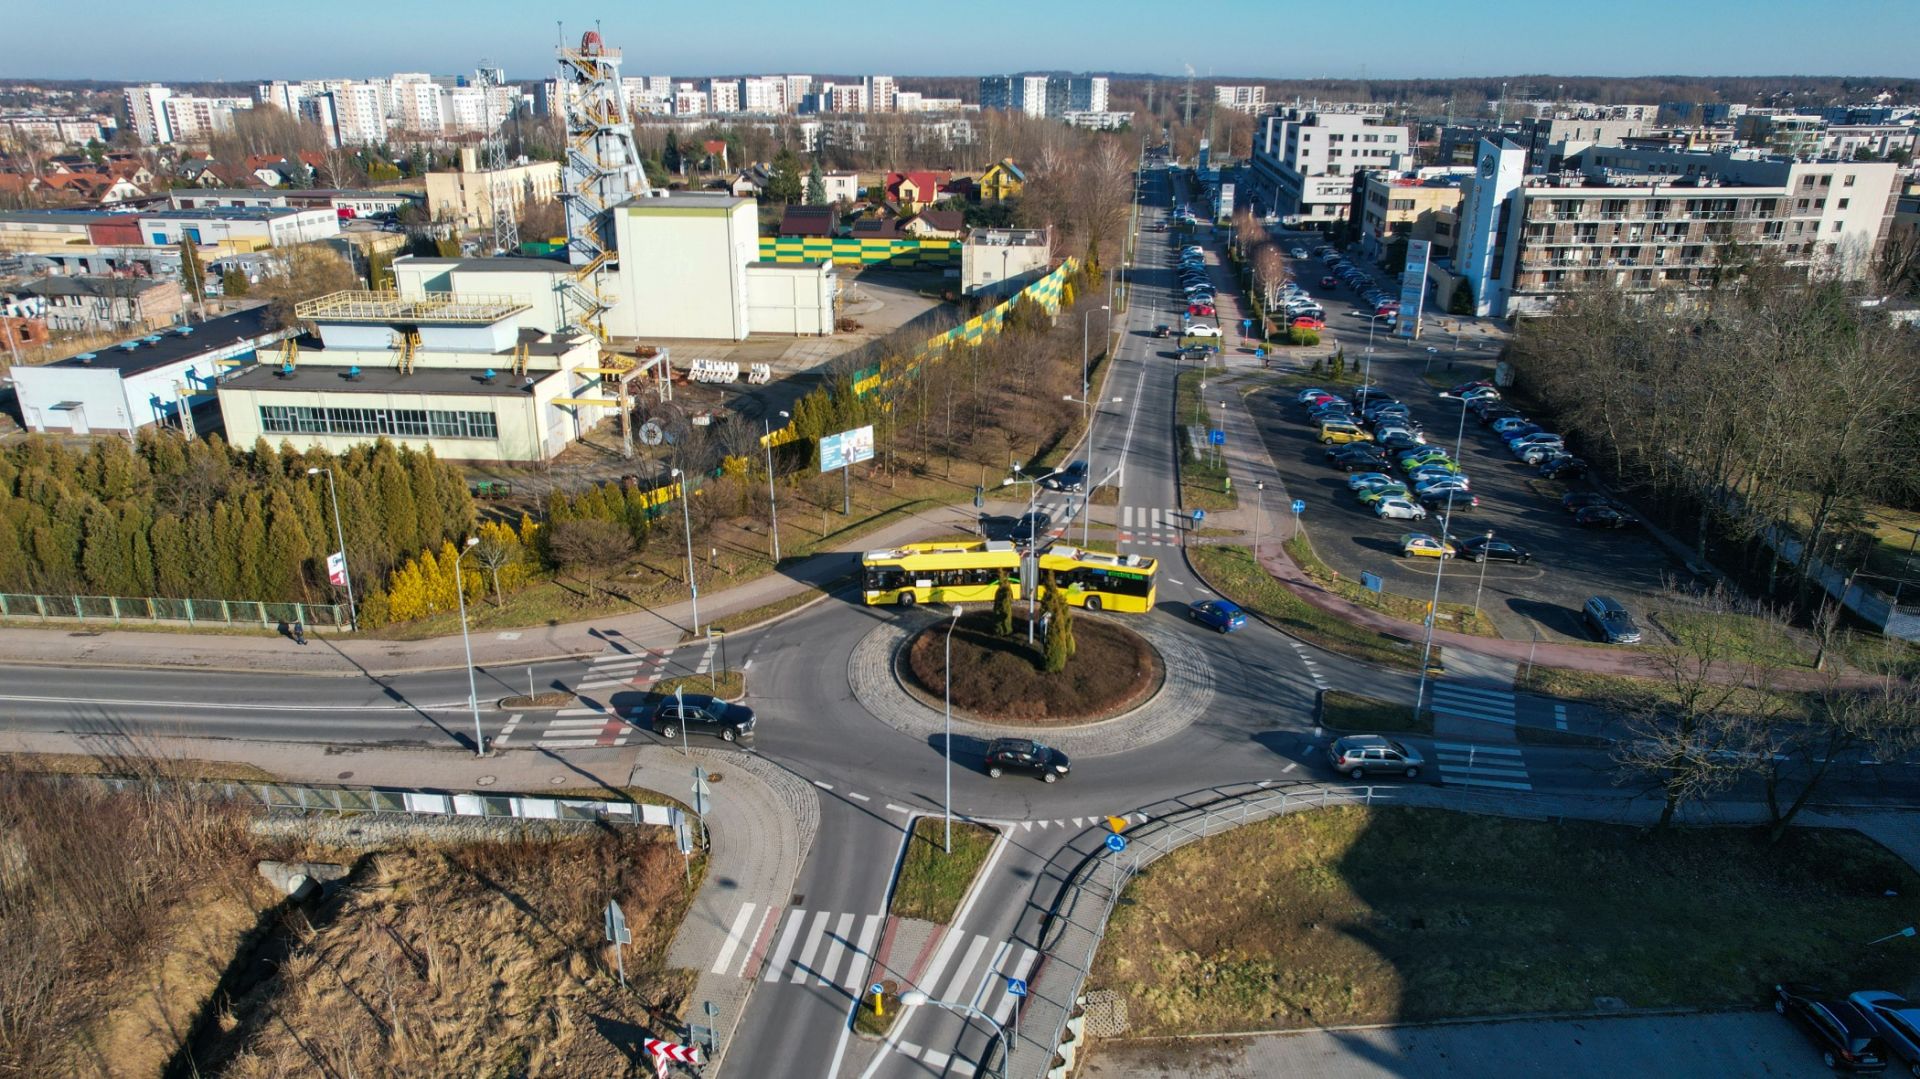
[(802, 966), (898, 809), (991, 976), (732, 944), (836, 944), (964, 967), (1291, 765), (778, 963), (1560, 717), (823, 786), (858, 797)]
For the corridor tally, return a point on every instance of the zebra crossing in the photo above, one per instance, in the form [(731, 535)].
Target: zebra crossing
[(1474, 764), (771, 943), (594, 723), (1151, 526), (1465, 701)]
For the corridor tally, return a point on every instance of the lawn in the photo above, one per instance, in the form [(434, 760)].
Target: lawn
[(932, 882), (1621, 694), (1233, 573), (1459, 617), (1001, 677), (1353, 915), (1351, 713), (726, 685), (1202, 483), (1742, 638)]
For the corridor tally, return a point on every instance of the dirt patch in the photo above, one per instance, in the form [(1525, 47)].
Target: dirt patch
[(999, 679)]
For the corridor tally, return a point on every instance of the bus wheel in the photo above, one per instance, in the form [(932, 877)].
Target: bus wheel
[(1093, 603), (906, 599)]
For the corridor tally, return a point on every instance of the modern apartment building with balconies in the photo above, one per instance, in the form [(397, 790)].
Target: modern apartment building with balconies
[(1660, 221)]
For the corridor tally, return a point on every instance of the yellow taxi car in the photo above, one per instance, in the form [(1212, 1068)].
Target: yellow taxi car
[(1421, 545), (1336, 433)]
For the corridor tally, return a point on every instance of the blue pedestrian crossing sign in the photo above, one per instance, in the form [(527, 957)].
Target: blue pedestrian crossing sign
[(1299, 505), (1246, 324), (1217, 437), (1016, 987), (1199, 515), (1116, 843)]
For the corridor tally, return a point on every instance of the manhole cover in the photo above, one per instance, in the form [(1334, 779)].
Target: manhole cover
[(484, 781), (344, 775), (556, 780)]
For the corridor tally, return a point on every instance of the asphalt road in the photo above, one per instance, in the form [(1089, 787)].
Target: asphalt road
[(872, 777)]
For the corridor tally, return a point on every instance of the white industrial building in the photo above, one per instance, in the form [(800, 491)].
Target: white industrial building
[(140, 381), (241, 226), (1000, 261)]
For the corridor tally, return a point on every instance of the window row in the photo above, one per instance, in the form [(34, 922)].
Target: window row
[(374, 422)]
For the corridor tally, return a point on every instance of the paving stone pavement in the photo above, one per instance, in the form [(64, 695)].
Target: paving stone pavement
[(762, 820), (1182, 699)]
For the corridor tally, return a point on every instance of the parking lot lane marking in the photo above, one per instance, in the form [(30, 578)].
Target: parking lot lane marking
[(1291, 765)]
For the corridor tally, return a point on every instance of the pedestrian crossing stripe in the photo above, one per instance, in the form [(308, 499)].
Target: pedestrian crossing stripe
[(1150, 517), (1475, 765), (1474, 702)]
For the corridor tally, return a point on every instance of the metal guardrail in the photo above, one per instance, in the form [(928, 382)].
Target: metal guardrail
[(419, 803), (119, 610)]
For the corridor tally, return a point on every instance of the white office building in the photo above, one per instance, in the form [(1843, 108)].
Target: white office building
[(1305, 160)]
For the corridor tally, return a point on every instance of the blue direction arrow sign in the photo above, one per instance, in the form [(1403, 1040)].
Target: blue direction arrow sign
[(1116, 843), (1016, 987), (1299, 505), (1246, 323)]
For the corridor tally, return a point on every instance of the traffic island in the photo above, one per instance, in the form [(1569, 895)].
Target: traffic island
[(1002, 679), (1351, 915)]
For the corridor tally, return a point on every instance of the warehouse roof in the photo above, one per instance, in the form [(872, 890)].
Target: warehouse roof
[(176, 345), (333, 378)]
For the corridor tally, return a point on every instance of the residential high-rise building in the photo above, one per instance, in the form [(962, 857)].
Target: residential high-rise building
[(798, 87), (997, 92), (689, 100), (318, 109), (843, 97), (147, 112), (723, 95), (1085, 93), (1241, 98), (764, 94), (1032, 94), (880, 92)]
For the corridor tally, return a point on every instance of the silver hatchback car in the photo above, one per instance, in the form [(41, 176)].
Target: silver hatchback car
[(1359, 755)]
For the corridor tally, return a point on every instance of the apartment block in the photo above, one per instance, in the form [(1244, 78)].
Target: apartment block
[(1305, 160), (1031, 94), (764, 95), (997, 92), (881, 93), (1241, 98)]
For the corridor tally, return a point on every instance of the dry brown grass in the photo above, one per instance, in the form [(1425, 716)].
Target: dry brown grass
[(481, 960)]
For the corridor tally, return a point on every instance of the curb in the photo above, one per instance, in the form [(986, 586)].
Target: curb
[(1457, 1021), (83, 664), (924, 699)]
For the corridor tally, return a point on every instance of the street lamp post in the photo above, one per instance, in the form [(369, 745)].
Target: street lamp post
[(946, 742), (686, 518), (466, 642), (1440, 564), (1259, 515), (1093, 481), (1367, 378), (773, 503), (340, 537), (1484, 559), (1033, 539), (914, 998)]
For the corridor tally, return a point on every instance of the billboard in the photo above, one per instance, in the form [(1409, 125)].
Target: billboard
[(1226, 202), (1413, 287), (846, 448)]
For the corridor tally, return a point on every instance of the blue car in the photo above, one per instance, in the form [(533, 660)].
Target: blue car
[(1223, 615)]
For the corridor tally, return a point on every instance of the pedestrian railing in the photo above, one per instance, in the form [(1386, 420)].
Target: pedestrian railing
[(157, 610), (398, 800)]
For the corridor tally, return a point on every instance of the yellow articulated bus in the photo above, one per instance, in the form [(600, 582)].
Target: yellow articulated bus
[(969, 571)]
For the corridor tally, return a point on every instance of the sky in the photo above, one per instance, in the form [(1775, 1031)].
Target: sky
[(240, 40)]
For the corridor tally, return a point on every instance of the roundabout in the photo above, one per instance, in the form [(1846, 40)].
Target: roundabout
[(999, 678)]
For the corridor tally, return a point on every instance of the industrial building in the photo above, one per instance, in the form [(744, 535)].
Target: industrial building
[(88, 303), (143, 380), (465, 198), (471, 376), (1002, 261)]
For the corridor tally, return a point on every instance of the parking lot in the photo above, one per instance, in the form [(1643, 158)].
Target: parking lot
[(1540, 598)]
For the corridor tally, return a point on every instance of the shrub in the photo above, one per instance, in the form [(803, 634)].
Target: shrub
[(1299, 335)]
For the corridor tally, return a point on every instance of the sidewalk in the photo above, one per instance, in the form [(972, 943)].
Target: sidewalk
[(652, 628)]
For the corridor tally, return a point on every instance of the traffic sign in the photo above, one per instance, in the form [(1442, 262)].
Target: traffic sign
[(1299, 505), (979, 497), (1217, 437), (1116, 843), (876, 989), (1199, 515), (1016, 987), (1246, 323)]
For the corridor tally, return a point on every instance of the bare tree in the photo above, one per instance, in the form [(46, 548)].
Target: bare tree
[(1882, 722), (587, 549)]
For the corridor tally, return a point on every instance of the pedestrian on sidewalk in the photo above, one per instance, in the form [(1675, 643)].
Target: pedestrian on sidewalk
[(299, 634)]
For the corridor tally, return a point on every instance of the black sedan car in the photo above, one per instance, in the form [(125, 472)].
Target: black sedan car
[(1838, 1028), (1024, 755), (1563, 466), (1359, 457), (1482, 549), (1575, 501), (1603, 517), (1032, 527), (698, 713)]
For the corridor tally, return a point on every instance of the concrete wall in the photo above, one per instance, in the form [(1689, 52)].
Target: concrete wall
[(791, 299), (107, 402), (683, 267)]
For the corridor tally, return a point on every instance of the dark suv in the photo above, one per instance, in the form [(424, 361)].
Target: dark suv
[(1839, 1029), (1610, 621), (702, 714), (1024, 755), (1071, 478)]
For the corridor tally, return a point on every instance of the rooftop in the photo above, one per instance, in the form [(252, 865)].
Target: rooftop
[(93, 285), (332, 378), (497, 264), (58, 217), (1008, 238), (686, 199), (228, 213), (444, 308), (178, 344)]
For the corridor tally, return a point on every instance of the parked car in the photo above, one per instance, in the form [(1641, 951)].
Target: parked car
[(1401, 441), (1563, 466), (1327, 281), (1394, 427), (1896, 1021), (1221, 614), (1425, 455), (1513, 426), (1360, 481), (1841, 1031), (1609, 621), (1433, 478), (1364, 458), (1071, 478), (1399, 508), (1358, 755), (1534, 438), (1604, 517), (1308, 322), (1471, 385), (1372, 493), (1200, 310), (1482, 549), (1479, 393), (1575, 501), (1537, 452), (1032, 527), (698, 713), (1299, 252), (1025, 755), (1439, 500), (1309, 392), (1337, 432), (1202, 329), (1421, 545)]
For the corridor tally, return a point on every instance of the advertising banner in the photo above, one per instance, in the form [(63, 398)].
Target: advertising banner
[(846, 448), (1413, 287)]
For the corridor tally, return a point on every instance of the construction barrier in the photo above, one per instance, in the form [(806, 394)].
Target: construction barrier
[(713, 371)]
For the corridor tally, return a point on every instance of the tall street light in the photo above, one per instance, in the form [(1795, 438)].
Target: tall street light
[(1440, 564), (1484, 559), (1093, 483), (946, 744), (914, 998), (686, 518), (773, 506), (466, 641), (1367, 379), (340, 538), (1033, 540), (1085, 317)]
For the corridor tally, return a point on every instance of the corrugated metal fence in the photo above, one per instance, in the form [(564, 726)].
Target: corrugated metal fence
[(421, 803)]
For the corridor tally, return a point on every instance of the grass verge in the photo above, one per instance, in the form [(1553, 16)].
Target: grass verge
[(85, 764), (871, 1023), (1351, 712), (1622, 693), (1202, 482), (1357, 915), (753, 616), (932, 882), (727, 685), (1232, 572), (1740, 638), (1459, 617)]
